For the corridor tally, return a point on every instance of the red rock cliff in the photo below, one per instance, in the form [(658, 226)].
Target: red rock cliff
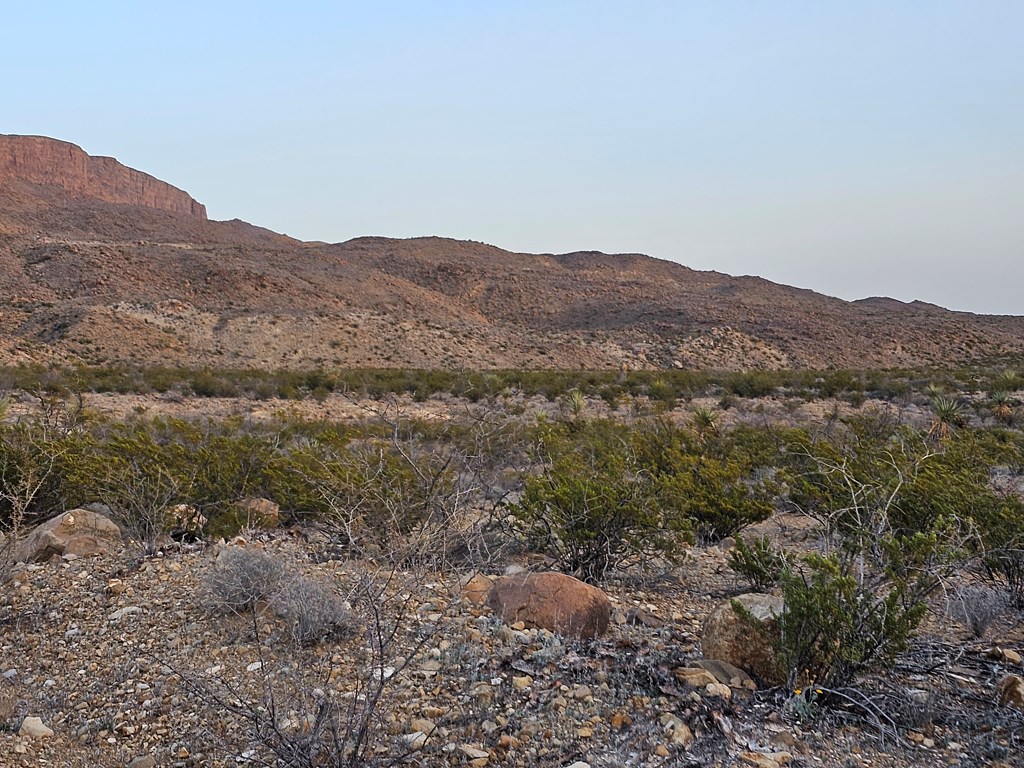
[(41, 160)]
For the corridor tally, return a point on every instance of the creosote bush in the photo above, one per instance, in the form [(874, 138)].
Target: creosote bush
[(605, 496), (759, 562), (839, 620)]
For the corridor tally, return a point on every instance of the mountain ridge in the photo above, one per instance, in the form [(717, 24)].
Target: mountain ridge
[(142, 277)]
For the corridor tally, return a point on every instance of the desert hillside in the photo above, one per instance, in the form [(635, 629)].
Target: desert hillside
[(102, 263)]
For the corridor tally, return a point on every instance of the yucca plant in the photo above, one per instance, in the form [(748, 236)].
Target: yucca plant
[(949, 416), (705, 423), (574, 403), (1002, 407), (1008, 381)]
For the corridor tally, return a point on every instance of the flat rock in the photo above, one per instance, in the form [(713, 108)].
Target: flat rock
[(33, 728)]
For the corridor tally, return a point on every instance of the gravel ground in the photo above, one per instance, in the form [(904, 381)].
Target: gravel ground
[(132, 661)]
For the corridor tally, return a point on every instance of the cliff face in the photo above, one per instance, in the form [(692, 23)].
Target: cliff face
[(40, 160)]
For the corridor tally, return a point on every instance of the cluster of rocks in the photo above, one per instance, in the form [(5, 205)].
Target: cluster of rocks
[(125, 666)]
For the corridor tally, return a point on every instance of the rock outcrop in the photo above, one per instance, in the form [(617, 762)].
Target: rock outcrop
[(40, 160), (552, 601)]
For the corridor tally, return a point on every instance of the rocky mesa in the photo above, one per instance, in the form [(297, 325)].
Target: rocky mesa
[(41, 160)]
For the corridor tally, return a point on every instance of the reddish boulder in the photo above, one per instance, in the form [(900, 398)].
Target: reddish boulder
[(552, 601)]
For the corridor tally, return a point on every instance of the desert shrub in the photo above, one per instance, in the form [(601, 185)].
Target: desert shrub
[(759, 562), (663, 392), (977, 606), (312, 611), (875, 477), (719, 497), (242, 579), (837, 382), (751, 384), (593, 505), (843, 616), (702, 477), (35, 453)]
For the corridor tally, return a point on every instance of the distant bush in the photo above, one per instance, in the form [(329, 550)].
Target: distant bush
[(593, 506)]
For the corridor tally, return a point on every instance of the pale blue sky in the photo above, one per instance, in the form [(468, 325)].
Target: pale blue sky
[(857, 149)]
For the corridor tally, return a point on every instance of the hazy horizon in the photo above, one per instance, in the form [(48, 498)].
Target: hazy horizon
[(857, 151)]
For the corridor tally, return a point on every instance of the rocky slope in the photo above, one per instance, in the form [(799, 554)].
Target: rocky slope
[(100, 263)]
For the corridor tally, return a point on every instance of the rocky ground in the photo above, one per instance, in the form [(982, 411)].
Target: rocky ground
[(132, 660)]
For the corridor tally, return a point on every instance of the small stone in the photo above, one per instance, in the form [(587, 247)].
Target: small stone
[(33, 728), (766, 759), (128, 610), (423, 725), (719, 690), (620, 720), (915, 736), (585, 733), (477, 757), (681, 735), (579, 764), (254, 666), (144, 761), (929, 743), (694, 677), (521, 682), (1010, 692), (661, 751), (415, 740)]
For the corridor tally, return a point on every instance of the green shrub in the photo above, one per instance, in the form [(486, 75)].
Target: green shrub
[(842, 618), (759, 562), (593, 505)]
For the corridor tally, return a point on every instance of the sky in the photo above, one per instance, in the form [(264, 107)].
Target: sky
[(857, 149)]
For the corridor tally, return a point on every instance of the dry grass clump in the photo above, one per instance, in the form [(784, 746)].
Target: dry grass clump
[(247, 580)]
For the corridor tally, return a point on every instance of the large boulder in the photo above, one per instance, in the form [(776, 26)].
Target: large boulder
[(747, 638), (80, 532), (551, 601)]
